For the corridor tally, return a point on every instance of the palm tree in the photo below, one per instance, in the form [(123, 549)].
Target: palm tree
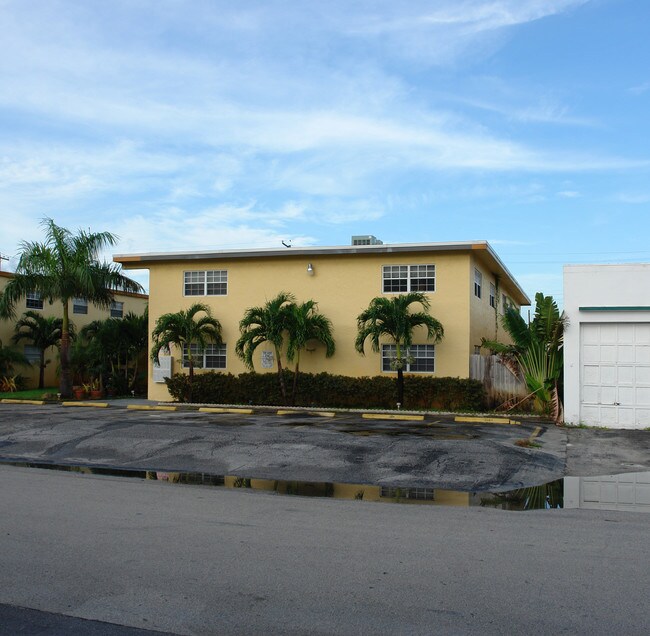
[(536, 352), (305, 325), (8, 358), (184, 330), (265, 324), (392, 318), (42, 332), (64, 267)]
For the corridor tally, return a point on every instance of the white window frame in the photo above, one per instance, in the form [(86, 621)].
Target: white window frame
[(493, 296), (117, 309), (478, 282), (201, 280), (215, 351), (33, 300), (79, 306), (505, 303), (388, 352), (407, 275)]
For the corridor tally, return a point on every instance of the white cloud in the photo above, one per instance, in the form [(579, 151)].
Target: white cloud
[(569, 194)]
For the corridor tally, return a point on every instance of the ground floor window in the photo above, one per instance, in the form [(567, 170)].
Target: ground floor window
[(32, 353), (212, 357), (419, 358), (422, 494)]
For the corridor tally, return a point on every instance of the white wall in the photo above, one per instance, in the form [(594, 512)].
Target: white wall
[(608, 286)]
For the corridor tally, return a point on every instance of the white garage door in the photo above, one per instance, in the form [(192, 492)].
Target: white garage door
[(615, 374)]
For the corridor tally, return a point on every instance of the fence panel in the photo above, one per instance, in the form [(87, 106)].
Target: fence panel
[(500, 384)]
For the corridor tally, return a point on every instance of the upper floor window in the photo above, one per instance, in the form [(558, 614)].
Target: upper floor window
[(505, 303), (33, 300), (213, 282), (212, 357), (117, 310), (79, 306), (478, 283), (493, 296), (409, 278), (419, 358)]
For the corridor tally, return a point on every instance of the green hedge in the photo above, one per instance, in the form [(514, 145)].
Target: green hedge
[(326, 390)]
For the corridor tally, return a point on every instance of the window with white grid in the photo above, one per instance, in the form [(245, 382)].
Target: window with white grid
[(419, 358), (33, 300), (478, 283), (117, 310), (79, 306), (212, 282), (408, 278), (212, 357)]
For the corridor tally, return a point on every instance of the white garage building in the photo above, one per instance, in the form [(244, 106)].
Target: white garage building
[(607, 345)]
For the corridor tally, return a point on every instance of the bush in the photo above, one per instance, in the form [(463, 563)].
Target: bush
[(327, 390)]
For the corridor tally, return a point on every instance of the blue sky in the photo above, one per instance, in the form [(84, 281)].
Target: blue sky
[(205, 124)]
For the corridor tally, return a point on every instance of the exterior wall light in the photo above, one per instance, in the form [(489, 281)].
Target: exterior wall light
[(310, 269)]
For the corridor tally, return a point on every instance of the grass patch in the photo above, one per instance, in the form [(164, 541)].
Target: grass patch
[(31, 394), (527, 443)]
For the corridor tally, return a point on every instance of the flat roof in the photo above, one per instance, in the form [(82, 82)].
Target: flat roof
[(146, 259)]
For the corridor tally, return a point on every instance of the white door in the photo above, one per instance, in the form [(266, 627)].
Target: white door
[(615, 374)]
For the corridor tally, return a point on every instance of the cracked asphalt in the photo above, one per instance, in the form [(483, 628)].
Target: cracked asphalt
[(437, 452)]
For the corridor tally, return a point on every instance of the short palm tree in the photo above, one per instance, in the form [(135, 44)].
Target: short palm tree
[(306, 325), (392, 318), (43, 332), (536, 352), (267, 323), (8, 358), (184, 329), (64, 267)]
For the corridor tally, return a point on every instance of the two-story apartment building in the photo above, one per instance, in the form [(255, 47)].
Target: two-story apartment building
[(81, 313), (467, 285)]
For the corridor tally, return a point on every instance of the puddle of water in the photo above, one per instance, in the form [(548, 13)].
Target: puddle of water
[(630, 491), (516, 500)]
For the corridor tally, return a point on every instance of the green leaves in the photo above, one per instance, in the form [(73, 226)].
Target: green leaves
[(536, 351)]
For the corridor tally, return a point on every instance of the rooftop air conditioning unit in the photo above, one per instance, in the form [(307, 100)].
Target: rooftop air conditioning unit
[(366, 239)]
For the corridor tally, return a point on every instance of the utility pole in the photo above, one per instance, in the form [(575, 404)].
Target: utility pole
[(3, 258)]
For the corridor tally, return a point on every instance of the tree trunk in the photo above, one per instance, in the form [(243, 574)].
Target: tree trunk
[(65, 381), (283, 388), (191, 378), (41, 371), (400, 386), (294, 390)]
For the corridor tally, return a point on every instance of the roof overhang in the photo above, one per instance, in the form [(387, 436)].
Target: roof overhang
[(482, 248)]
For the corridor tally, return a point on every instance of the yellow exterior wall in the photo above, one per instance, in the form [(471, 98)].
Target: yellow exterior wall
[(486, 320), (343, 285), (135, 303)]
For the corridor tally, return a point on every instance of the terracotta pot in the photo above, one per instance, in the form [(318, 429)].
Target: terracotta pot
[(97, 394)]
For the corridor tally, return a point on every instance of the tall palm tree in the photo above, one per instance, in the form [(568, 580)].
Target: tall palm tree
[(43, 333), (184, 329), (306, 324), (63, 267), (392, 318), (536, 352), (265, 324)]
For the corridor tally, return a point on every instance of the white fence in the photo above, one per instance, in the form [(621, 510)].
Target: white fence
[(500, 384)]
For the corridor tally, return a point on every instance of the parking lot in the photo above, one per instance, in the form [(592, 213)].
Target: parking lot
[(433, 450)]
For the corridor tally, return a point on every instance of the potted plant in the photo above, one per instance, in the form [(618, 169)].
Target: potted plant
[(79, 391), (96, 391)]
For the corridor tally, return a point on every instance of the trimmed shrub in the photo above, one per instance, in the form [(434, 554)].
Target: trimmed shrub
[(327, 390)]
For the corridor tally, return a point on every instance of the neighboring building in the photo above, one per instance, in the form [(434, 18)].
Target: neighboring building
[(607, 345), (465, 282), (81, 313)]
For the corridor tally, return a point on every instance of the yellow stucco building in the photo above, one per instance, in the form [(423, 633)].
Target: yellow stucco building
[(81, 314), (466, 283)]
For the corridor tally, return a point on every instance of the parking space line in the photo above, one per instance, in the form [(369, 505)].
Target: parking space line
[(470, 419), (220, 409), (387, 416), (96, 405)]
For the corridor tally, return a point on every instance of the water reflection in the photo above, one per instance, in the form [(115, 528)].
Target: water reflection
[(630, 491)]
